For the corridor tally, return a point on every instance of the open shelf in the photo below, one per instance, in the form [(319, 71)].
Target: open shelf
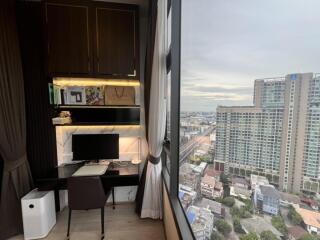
[(85, 116), (95, 106)]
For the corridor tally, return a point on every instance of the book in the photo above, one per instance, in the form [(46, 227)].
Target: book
[(75, 96), (56, 95), (95, 95)]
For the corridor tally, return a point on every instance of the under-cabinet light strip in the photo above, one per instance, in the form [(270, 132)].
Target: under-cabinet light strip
[(63, 81)]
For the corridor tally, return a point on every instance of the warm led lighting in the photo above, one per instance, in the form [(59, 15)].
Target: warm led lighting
[(62, 81), (105, 127)]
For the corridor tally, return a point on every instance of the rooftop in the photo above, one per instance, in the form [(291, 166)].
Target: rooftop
[(309, 217), (255, 179), (208, 180), (211, 171), (238, 180), (270, 191), (213, 206)]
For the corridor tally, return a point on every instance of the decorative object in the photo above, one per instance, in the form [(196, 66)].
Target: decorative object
[(95, 95), (119, 95), (76, 96), (64, 118)]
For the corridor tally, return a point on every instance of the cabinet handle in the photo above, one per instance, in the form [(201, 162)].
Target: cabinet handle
[(134, 74)]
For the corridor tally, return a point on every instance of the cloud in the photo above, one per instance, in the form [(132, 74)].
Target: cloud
[(226, 45), (218, 89)]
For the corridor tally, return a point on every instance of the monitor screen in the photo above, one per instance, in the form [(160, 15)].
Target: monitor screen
[(95, 146)]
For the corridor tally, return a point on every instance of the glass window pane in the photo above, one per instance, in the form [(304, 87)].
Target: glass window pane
[(250, 110)]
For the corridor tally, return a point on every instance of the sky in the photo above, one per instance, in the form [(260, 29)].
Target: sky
[(227, 44)]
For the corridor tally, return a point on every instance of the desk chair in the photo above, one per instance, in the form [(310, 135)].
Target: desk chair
[(86, 193)]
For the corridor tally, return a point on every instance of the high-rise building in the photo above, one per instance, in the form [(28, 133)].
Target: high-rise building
[(278, 137)]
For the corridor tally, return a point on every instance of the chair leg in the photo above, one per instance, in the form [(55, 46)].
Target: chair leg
[(69, 221), (113, 204), (102, 223)]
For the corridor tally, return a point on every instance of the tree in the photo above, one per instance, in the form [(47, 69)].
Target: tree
[(228, 201), (224, 178), (268, 235), (223, 227), (235, 211), (248, 205), (237, 225), (294, 217), (216, 236), (244, 213), (249, 236), (205, 158), (279, 224)]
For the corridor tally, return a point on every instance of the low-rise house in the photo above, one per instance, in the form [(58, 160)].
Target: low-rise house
[(216, 208), (240, 188), (296, 232), (257, 180), (187, 196), (287, 199), (200, 168), (240, 182), (201, 221), (210, 188), (210, 171), (267, 199), (189, 177), (311, 220)]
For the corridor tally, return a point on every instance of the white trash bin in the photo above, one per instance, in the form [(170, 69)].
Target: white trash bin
[(38, 213)]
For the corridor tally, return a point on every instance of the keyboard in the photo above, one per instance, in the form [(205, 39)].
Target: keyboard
[(91, 170)]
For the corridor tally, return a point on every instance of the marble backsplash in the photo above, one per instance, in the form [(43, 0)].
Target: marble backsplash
[(129, 140)]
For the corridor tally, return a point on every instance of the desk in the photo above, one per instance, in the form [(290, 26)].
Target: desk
[(118, 174)]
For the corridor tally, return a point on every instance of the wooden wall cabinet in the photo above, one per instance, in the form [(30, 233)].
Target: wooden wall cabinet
[(69, 42), (92, 39), (115, 40)]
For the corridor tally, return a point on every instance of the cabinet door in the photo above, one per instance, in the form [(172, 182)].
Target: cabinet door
[(115, 41), (68, 39)]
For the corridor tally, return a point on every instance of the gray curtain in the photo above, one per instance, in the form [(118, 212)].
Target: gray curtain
[(16, 180)]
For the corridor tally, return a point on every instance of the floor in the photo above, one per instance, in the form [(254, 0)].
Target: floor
[(120, 224)]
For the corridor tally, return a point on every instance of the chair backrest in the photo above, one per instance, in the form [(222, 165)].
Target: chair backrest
[(85, 193)]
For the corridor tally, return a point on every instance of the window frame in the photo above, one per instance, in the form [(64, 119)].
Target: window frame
[(171, 146)]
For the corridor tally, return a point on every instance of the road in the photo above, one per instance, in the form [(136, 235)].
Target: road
[(187, 148)]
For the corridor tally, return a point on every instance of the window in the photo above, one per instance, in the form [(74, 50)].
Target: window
[(234, 100)]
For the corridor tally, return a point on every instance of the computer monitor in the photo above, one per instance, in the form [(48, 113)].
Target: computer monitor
[(95, 146)]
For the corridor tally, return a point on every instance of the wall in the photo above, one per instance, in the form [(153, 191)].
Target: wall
[(171, 230), (129, 141)]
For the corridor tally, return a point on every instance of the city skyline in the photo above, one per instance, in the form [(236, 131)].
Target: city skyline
[(220, 61)]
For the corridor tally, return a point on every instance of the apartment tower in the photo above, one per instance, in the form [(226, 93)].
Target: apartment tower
[(278, 137)]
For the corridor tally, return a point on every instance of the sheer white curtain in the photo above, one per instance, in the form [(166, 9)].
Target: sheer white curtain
[(152, 199)]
